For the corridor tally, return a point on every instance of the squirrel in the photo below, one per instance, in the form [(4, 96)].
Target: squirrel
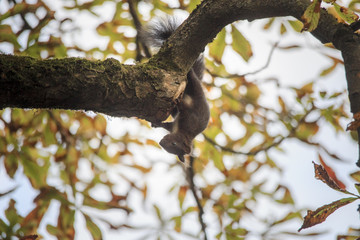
[(191, 115)]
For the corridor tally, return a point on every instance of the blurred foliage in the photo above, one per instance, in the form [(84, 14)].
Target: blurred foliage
[(68, 156)]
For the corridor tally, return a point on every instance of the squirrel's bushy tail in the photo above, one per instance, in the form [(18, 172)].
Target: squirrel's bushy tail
[(159, 29)]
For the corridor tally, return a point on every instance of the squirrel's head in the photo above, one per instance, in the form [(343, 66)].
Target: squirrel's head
[(176, 144)]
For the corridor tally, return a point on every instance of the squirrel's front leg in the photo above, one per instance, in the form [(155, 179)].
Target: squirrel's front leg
[(167, 125)]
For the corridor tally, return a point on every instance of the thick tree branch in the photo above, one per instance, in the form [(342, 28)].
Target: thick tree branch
[(79, 84)]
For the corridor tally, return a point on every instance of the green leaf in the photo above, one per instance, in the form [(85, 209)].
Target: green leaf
[(93, 228), (177, 220), (7, 35), (328, 70), (296, 25), (37, 174), (235, 233), (319, 215), (282, 29), (269, 23), (49, 136), (53, 230), (217, 47), (357, 186), (345, 13), (11, 215), (217, 158), (240, 44), (11, 164), (356, 176), (311, 16)]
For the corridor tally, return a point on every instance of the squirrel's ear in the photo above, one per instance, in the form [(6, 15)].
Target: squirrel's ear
[(181, 157)]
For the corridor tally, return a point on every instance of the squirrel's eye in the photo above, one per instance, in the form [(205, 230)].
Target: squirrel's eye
[(173, 143)]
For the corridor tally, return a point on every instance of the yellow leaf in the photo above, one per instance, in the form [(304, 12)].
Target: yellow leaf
[(240, 44), (217, 47)]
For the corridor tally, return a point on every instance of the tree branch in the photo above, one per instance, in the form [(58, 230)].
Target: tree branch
[(190, 176), (79, 84)]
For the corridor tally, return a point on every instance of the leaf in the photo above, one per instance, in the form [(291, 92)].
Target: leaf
[(269, 23), (296, 25), (286, 198), (182, 194), (356, 176), (93, 228), (217, 158), (11, 214), (357, 186), (177, 220), (311, 16), (240, 44), (158, 212), (319, 215), (282, 29), (329, 69), (345, 13), (235, 233), (354, 125), (321, 174), (306, 130), (100, 124), (304, 90), (331, 174), (49, 136), (29, 237), (37, 174), (217, 47), (53, 230), (7, 35), (11, 164)]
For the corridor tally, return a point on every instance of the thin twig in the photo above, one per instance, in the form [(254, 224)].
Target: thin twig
[(276, 143), (252, 153), (249, 73), (138, 27), (190, 176)]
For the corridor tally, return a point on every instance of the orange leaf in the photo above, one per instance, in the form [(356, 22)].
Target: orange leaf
[(319, 215), (331, 174), (181, 194)]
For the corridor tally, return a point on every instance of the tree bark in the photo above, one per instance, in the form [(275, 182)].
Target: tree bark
[(79, 84)]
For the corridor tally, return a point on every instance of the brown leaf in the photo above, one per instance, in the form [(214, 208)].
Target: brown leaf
[(319, 215), (29, 237), (354, 125), (321, 174), (332, 174)]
